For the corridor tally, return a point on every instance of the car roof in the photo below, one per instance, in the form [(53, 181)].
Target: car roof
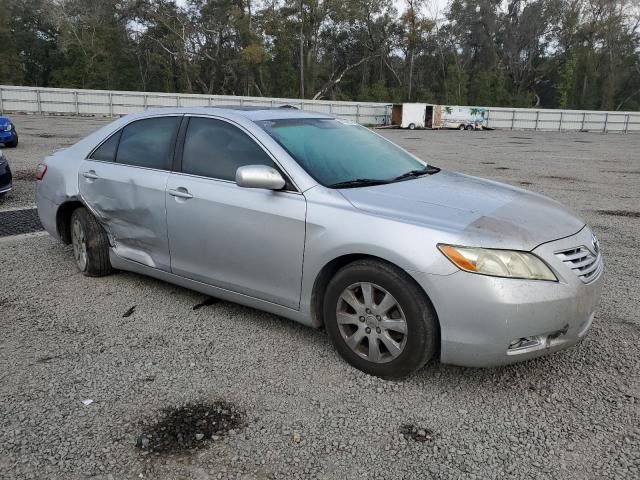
[(253, 113)]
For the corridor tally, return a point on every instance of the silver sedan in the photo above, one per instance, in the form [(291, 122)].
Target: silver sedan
[(325, 222)]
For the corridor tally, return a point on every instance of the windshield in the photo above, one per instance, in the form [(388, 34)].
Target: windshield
[(335, 151)]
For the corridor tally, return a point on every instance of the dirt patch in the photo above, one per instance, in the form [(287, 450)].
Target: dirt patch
[(25, 175), (207, 302), (627, 172), (417, 434), (502, 168), (190, 427), (488, 163), (129, 312), (526, 183), (620, 213), (559, 177), (46, 359)]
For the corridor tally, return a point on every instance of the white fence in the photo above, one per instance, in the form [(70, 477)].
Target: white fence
[(562, 120), (113, 103)]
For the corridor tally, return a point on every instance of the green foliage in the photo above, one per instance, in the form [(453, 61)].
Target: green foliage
[(548, 53)]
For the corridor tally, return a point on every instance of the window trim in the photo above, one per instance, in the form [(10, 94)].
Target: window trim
[(180, 150)]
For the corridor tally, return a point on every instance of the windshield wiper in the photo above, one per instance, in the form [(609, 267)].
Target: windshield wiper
[(428, 170), (359, 182)]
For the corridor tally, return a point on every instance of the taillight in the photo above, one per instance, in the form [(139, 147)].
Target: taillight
[(42, 169)]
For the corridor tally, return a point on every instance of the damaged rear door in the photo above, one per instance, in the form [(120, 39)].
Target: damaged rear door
[(123, 182)]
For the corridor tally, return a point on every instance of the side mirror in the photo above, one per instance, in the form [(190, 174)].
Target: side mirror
[(259, 176)]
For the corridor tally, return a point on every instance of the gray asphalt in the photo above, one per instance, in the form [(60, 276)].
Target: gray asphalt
[(63, 339)]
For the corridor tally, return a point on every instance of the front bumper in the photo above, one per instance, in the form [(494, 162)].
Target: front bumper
[(6, 178), (9, 136), (481, 317)]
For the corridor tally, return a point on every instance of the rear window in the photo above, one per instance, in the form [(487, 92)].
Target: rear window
[(107, 151), (148, 143)]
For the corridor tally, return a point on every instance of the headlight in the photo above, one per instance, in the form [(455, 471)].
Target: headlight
[(498, 263), (8, 127)]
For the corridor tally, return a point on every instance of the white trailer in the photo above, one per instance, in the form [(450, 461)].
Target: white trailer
[(427, 115), (455, 117), (409, 115)]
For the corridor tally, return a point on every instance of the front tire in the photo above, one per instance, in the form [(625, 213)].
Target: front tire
[(12, 144), (90, 244), (379, 319), (412, 126)]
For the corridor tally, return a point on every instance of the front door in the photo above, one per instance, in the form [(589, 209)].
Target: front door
[(123, 182), (249, 241)]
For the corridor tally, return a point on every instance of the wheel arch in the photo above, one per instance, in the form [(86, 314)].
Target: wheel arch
[(327, 272), (63, 219)]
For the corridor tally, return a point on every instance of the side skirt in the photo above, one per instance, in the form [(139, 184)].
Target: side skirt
[(120, 263)]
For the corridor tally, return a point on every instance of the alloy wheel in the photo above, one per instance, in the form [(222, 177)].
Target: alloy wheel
[(78, 240), (371, 322)]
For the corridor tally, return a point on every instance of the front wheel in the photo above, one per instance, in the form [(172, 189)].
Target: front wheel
[(412, 126), (90, 244), (379, 319), (12, 144)]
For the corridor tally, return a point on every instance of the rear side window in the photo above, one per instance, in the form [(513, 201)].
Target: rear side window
[(216, 149), (107, 151), (148, 143)]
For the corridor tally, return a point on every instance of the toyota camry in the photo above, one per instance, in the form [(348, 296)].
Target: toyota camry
[(326, 222)]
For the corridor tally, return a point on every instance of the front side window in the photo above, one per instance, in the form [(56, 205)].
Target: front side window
[(148, 143), (216, 149), (335, 151), (107, 151)]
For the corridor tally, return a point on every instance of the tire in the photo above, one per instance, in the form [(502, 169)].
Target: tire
[(410, 350), (469, 127), (412, 126), (90, 244), (13, 144), (461, 127)]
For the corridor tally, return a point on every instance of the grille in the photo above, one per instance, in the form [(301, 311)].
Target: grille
[(585, 265)]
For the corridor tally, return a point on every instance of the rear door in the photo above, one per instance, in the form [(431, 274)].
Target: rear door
[(246, 240), (123, 183)]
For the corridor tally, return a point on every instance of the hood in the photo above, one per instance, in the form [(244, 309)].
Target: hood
[(469, 210)]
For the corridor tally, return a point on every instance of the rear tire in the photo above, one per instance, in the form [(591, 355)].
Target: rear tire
[(392, 331), (412, 126), (469, 127), (90, 244)]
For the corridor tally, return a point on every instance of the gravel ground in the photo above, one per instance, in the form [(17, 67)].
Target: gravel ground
[(65, 338)]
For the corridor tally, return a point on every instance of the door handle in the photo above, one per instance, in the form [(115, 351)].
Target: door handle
[(90, 174), (180, 192)]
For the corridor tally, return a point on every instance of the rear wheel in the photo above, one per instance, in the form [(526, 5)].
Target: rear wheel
[(379, 319), (90, 244), (412, 126), (469, 127)]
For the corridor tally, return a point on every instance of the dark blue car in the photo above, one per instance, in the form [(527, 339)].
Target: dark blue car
[(5, 176), (8, 134)]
